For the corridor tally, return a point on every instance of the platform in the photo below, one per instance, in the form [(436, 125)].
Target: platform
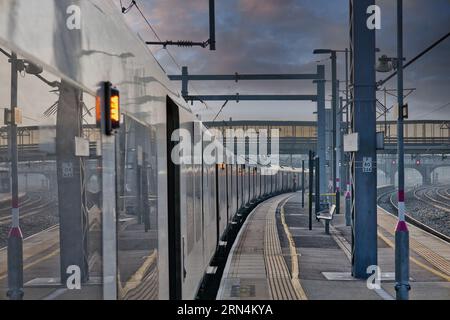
[(277, 257)]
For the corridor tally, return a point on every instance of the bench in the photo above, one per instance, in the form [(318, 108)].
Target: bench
[(327, 215)]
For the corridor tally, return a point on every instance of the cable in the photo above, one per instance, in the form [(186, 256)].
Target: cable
[(156, 34), (435, 110), (214, 120), (381, 82), (134, 4)]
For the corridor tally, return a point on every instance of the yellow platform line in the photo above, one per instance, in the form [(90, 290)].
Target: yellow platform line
[(294, 260), (417, 262), (31, 264), (137, 277), (386, 222)]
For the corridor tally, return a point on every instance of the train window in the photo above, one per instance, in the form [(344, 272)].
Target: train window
[(55, 185)]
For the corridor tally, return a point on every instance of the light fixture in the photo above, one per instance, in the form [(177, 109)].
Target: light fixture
[(32, 68), (385, 64), (322, 51)]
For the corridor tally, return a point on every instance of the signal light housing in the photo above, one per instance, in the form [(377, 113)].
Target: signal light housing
[(405, 111), (107, 103)]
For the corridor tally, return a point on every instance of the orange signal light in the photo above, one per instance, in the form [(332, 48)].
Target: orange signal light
[(98, 110), (115, 109), (107, 104)]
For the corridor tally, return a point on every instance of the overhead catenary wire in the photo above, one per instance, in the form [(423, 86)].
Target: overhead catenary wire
[(125, 10), (218, 113), (381, 82), (435, 110), (155, 33)]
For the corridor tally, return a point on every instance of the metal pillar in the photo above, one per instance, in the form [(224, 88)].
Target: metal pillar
[(348, 206), (311, 180), (321, 126), (109, 220), (402, 286), (338, 133), (184, 81), (303, 183), (364, 250), (317, 183), (15, 238), (73, 219), (329, 149), (334, 95), (348, 198)]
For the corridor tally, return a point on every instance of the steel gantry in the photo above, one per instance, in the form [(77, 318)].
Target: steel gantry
[(319, 97)]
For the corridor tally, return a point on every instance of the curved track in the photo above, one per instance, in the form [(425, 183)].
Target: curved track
[(37, 213), (422, 212), (433, 196), (31, 206)]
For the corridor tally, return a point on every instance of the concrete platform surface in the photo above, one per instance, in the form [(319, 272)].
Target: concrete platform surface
[(276, 256)]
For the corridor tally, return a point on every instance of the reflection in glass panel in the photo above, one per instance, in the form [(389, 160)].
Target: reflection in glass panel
[(58, 185), (137, 208)]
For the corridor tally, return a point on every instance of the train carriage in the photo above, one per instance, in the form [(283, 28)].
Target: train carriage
[(157, 224)]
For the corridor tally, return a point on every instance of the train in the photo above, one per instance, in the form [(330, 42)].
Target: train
[(156, 227)]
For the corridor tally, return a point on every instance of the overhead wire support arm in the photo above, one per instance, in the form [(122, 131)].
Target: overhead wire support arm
[(185, 77), (179, 43), (237, 77), (211, 42), (238, 97)]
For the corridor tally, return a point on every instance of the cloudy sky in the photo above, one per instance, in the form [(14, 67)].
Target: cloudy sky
[(278, 36)]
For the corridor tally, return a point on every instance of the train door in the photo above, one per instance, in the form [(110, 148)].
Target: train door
[(234, 183), (173, 205), (229, 188)]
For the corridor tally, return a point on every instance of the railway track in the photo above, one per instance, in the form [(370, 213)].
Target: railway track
[(388, 201), (5, 208), (434, 197), (36, 214), (443, 192), (28, 209)]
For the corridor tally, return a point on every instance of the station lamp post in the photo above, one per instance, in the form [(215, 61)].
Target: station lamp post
[(386, 64), (334, 107), (401, 232), (15, 237)]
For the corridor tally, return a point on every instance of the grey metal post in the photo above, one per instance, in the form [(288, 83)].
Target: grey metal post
[(348, 206), (321, 126), (72, 208), (338, 203), (348, 199), (15, 243), (364, 123), (212, 25), (338, 133), (311, 180), (334, 95), (346, 77), (184, 81), (303, 183), (317, 192), (402, 286), (109, 232)]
